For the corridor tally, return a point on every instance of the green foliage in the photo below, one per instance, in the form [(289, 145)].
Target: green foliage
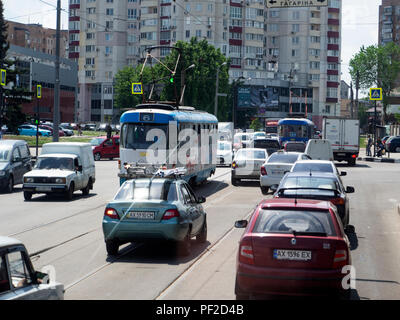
[(256, 125), (377, 66), (200, 80)]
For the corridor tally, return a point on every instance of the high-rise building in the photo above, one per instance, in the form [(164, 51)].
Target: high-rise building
[(389, 22), (295, 52)]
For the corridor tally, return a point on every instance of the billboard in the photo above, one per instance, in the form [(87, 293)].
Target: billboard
[(258, 97)]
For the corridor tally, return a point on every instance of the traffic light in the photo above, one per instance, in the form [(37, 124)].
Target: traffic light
[(36, 119), (171, 80)]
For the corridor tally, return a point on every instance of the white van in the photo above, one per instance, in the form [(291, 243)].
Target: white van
[(62, 167), (319, 149)]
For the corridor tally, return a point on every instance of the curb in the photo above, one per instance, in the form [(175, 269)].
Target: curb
[(370, 159)]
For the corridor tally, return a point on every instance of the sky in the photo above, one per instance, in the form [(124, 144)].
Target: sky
[(359, 22)]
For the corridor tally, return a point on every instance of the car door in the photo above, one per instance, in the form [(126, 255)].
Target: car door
[(116, 147), (197, 211), (189, 207), (26, 160), (81, 180), (17, 165), (108, 148)]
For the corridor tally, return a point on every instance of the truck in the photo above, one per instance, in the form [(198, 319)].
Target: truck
[(225, 131), (344, 135)]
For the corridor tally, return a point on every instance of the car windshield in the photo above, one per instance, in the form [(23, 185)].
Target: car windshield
[(96, 141), (266, 144), (250, 154), (224, 146), (142, 136), (288, 221), (310, 182), (259, 134), (319, 167), (283, 158), (147, 190), (44, 163), (5, 154)]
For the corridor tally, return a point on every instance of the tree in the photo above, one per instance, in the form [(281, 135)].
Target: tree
[(200, 80), (377, 66), (256, 125)]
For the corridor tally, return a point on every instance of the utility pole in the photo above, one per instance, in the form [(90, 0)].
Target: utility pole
[(216, 91), (56, 114), (352, 100), (357, 88)]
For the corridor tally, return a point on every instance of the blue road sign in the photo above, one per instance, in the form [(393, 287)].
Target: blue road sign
[(137, 88), (375, 94)]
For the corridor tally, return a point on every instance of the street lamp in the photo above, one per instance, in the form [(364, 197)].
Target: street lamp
[(217, 89)]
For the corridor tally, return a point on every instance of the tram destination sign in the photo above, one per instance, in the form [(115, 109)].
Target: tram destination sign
[(296, 3)]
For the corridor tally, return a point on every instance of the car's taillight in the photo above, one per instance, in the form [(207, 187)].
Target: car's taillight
[(337, 201), (111, 213), (263, 171), (354, 156), (340, 259), (169, 214), (246, 254)]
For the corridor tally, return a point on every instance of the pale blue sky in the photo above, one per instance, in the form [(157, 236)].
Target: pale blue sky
[(359, 22)]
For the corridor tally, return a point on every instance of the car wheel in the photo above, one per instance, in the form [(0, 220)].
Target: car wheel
[(86, 191), (27, 195), (264, 190), (112, 247), (397, 149), (184, 246), (97, 156), (70, 193), (234, 181), (10, 185), (202, 236)]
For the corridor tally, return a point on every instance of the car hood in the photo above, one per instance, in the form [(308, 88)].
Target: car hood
[(3, 165), (49, 173)]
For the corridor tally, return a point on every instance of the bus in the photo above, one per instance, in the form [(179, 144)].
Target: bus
[(293, 129), (171, 123), (271, 126)]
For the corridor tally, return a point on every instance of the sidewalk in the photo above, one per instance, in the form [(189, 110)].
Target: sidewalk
[(392, 157)]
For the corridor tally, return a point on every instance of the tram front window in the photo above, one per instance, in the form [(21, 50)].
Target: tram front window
[(142, 136), (293, 131)]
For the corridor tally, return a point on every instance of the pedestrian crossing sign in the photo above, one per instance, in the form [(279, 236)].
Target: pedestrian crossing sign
[(375, 94), (39, 91), (137, 88)]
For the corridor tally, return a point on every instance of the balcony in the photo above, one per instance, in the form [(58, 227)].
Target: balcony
[(334, 22)]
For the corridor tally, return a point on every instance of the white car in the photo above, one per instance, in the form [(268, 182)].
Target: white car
[(241, 140), (224, 153), (276, 166), (18, 278), (247, 164), (316, 166)]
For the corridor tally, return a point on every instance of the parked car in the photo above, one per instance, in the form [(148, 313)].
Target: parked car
[(317, 186), (224, 153), (18, 278), (66, 125), (294, 146), (247, 164), (105, 148), (102, 127), (90, 127), (67, 132), (270, 145), (148, 209), (15, 161), (385, 138), (393, 144), (316, 166), (62, 167), (292, 248), (276, 166), (46, 127), (31, 130), (319, 149)]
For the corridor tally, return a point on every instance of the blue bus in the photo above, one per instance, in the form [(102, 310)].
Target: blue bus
[(137, 140), (292, 129)]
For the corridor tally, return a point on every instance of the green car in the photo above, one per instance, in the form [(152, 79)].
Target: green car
[(149, 209)]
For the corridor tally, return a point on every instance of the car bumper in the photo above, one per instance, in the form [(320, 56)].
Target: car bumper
[(40, 189), (267, 181), (278, 281), (4, 181), (246, 174), (129, 232)]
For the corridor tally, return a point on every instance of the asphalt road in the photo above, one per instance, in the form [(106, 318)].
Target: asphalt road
[(68, 235)]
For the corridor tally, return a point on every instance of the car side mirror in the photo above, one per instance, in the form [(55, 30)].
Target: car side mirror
[(350, 190), (80, 168), (42, 278), (201, 200), (343, 173), (240, 224)]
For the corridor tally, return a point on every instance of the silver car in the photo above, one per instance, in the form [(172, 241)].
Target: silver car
[(19, 280), (247, 164)]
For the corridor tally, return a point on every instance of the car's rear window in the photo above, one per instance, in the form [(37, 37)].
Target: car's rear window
[(147, 190), (251, 154), (266, 144), (307, 167), (310, 182), (287, 221), (283, 158)]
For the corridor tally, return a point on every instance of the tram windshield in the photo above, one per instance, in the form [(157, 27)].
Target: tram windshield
[(142, 136)]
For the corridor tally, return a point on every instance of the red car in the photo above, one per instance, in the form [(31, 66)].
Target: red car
[(105, 148), (46, 127), (292, 247)]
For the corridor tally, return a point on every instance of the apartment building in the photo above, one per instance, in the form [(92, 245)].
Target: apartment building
[(37, 38), (389, 22), (294, 51)]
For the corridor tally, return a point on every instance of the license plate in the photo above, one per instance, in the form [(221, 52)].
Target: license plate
[(142, 215), (296, 255), (276, 172), (341, 154), (43, 189)]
